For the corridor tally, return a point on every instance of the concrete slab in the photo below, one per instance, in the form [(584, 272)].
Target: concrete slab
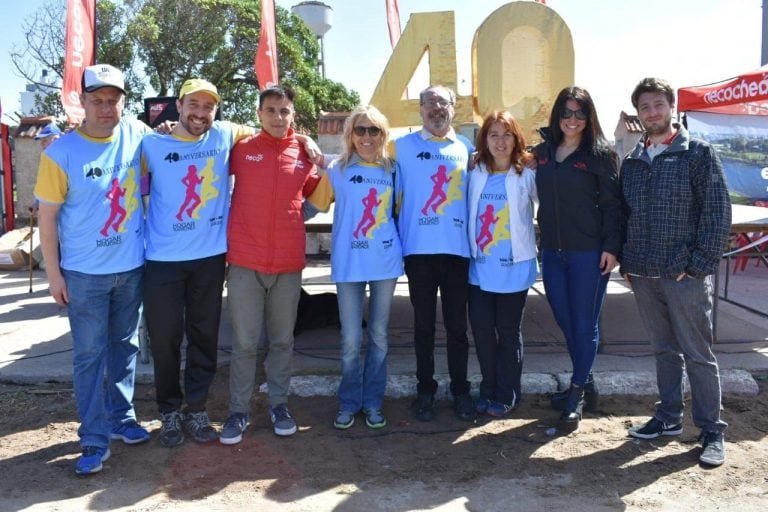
[(35, 344)]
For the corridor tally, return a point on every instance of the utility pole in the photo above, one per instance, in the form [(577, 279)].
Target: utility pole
[(764, 53)]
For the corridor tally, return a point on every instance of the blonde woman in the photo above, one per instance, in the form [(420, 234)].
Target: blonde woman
[(365, 251)]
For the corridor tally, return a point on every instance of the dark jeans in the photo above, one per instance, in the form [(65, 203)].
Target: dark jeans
[(183, 298), (576, 291), (495, 320), (448, 273)]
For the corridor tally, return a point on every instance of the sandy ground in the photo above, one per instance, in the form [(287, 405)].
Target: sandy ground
[(509, 464)]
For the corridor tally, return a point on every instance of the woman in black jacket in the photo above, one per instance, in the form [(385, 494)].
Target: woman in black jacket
[(581, 234)]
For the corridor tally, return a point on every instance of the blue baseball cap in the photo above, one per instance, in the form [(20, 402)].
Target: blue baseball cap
[(47, 131)]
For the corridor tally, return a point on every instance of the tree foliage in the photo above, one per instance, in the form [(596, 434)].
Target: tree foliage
[(168, 41), (43, 48)]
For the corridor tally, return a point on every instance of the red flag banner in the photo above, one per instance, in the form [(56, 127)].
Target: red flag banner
[(265, 63), (7, 178), (393, 22), (80, 46)]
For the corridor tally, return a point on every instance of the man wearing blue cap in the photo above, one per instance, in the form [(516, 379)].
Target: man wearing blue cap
[(90, 216), (48, 134)]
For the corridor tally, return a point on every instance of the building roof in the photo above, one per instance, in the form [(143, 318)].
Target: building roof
[(629, 124), (331, 123), (31, 126)]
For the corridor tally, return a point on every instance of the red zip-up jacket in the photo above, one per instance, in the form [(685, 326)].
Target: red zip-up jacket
[(266, 228)]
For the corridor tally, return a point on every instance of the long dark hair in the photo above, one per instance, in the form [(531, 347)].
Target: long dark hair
[(520, 157), (592, 139)]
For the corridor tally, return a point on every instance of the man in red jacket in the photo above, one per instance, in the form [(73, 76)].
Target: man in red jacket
[(266, 249)]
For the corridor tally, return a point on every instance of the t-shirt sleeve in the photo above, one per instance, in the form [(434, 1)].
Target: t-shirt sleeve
[(52, 183), (322, 197), (145, 176), (241, 131)]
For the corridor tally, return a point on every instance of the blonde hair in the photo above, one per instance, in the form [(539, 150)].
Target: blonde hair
[(378, 120)]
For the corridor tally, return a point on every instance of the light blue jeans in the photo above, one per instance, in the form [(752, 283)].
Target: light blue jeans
[(104, 317), (363, 386), (678, 319)]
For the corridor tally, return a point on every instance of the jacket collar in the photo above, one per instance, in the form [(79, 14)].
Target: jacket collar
[(679, 143)]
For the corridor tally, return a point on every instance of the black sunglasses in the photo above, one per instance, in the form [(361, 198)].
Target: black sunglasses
[(373, 131), (568, 113)]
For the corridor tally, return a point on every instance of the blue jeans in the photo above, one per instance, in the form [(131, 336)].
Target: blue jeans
[(678, 319), (576, 290), (104, 317), (362, 387)]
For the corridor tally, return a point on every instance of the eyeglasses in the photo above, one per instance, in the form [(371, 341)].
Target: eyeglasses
[(373, 131), (438, 103), (568, 113)]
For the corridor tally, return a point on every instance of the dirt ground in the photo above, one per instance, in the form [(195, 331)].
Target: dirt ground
[(502, 465)]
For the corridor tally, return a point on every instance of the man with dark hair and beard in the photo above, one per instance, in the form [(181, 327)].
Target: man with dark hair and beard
[(187, 182), (678, 221), (187, 179)]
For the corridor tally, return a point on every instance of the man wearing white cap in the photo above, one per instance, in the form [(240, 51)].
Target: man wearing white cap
[(188, 207), (93, 244)]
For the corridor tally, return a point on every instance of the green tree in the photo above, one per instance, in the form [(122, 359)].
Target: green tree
[(43, 49), (172, 40), (217, 40)]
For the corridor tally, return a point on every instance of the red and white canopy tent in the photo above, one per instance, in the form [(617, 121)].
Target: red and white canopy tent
[(733, 116), (745, 94)]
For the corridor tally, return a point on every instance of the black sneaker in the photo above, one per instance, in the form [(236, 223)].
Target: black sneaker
[(171, 433), (464, 407), (655, 428), (712, 448), (197, 425), (422, 407)]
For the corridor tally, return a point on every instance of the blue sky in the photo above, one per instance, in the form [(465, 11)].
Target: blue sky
[(617, 42)]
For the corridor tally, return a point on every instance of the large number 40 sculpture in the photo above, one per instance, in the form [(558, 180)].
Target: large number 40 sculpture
[(522, 55)]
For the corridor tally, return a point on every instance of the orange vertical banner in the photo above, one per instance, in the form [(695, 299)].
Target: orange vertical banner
[(393, 22), (79, 53), (265, 64)]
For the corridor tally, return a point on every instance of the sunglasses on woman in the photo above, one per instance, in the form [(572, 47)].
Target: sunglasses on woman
[(568, 113), (373, 131)]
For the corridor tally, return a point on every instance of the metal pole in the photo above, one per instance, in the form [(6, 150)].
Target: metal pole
[(31, 237), (764, 53)]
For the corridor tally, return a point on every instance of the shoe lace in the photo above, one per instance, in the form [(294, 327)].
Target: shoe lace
[(281, 413), (171, 421), (89, 451), (708, 438), (234, 421), (198, 420)]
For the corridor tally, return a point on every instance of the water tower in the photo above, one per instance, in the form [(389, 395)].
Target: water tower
[(318, 17)]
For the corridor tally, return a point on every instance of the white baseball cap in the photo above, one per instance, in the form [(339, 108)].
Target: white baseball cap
[(102, 75)]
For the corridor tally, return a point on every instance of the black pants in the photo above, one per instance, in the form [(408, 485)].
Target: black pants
[(448, 273), (184, 298), (495, 320)]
